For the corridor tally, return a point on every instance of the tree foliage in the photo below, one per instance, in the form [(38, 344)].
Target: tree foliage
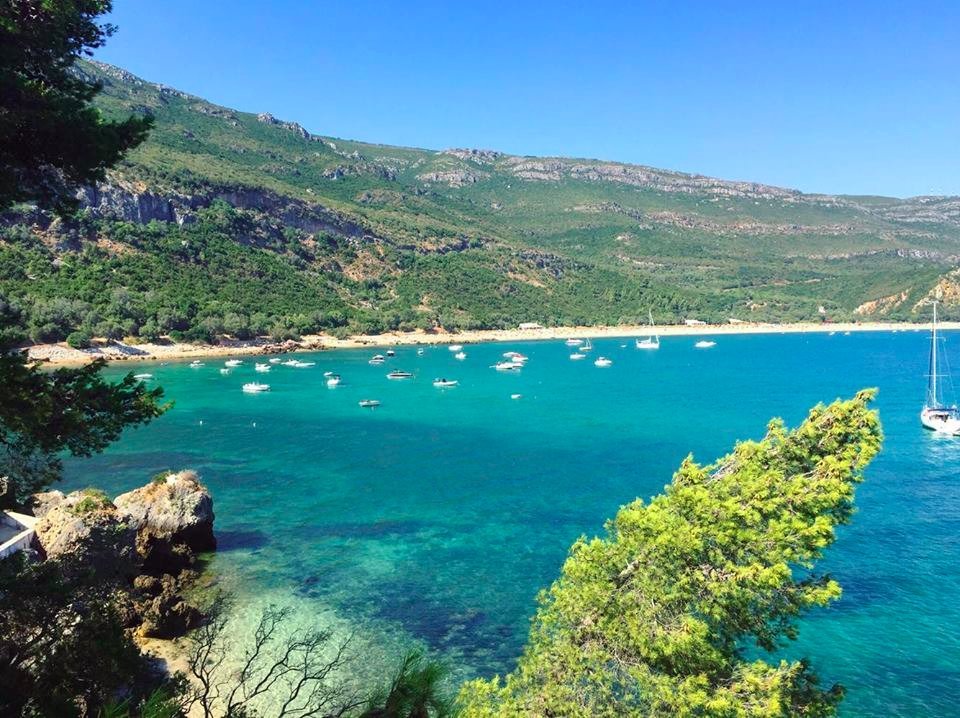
[(51, 137), (63, 648), (666, 615), (45, 413)]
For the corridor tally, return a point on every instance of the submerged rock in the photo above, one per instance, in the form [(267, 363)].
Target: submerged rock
[(173, 517)]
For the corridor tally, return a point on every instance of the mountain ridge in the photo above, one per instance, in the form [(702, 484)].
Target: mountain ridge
[(298, 233)]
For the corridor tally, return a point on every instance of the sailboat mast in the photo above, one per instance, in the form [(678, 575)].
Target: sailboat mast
[(934, 399)]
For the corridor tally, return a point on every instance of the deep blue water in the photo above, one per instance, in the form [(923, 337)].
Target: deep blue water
[(437, 517)]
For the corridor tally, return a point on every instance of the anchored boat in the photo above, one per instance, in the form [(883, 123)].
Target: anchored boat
[(937, 415), (652, 341)]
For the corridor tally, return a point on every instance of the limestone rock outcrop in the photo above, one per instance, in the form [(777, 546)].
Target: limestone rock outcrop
[(173, 519), (84, 529)]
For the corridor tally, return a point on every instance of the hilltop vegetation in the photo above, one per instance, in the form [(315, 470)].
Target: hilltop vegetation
[(226, 222)]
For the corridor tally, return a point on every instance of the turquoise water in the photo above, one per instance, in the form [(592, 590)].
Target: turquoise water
[(436, 517)]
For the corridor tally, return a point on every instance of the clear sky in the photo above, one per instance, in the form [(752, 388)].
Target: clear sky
[(842, 96)]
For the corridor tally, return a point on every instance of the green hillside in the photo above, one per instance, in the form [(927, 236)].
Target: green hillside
[(229, 222)]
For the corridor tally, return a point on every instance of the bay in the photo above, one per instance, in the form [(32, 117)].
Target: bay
[(436, 518)]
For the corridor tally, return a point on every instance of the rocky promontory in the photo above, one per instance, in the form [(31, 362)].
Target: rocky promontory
[(145, 543)]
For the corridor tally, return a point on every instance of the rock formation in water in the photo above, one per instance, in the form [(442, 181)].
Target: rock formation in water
[(173, 518), (145, 542)]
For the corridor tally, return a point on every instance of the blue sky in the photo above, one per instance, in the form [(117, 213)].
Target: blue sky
[(840, 97)]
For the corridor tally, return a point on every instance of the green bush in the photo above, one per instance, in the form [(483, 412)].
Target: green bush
[(79, 339)]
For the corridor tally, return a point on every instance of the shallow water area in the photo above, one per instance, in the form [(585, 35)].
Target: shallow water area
[(436, 517)]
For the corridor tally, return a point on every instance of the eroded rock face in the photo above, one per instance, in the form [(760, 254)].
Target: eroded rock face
[(85, 531), (141, 544), (173, 520), (161, 609)]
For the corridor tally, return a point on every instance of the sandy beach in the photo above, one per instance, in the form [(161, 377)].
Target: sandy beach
[(116, 351)]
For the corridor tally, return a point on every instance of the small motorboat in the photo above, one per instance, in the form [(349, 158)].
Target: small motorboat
[(224, 371), (444, 383), (573, 342), (603, 362), (196, 364), (516, 356), (297, 364), (420, 352), (233, 362), (455, 347), (508, 366), (516, 396), (262, 367), (143, 377), (333, 380), (377, 359), (369, 403), (275, 360), (576, 356), (399, 375), (460, 355), (705, 344), (391, 353), (255, 387)]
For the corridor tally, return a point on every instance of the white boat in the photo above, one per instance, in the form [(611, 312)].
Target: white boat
[(196, 364), (576, 356), (586, 346), (297, 364), (460, 355), (255, 387), (369, 403), (275, 360), (420, 352), (938, 415), (224, 371), (455, 347), (516, 396), (143, 377), (391, 353), (573, 342), (333, 380), (603, 362), (508, 366), (262, 367), (652, 341), (705, 344), (399, 375), (233, 362), (445, 383), (377, 359)]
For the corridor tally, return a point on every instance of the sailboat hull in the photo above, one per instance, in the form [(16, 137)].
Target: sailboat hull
[(941, 421)]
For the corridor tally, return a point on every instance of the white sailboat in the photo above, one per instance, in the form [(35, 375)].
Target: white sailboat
[(652, 341), (936, 414)]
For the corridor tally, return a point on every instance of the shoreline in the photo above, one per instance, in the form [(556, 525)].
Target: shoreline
[(115, 351)]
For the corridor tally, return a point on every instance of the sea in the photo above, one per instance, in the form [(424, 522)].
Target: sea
[(434, 519)]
